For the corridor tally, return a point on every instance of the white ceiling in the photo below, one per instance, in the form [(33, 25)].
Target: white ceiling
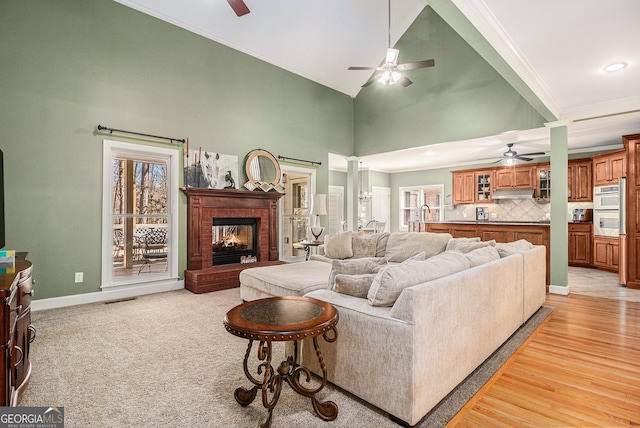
[(558, 48)]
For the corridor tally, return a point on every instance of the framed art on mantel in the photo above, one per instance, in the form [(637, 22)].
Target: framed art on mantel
[(210, 170)]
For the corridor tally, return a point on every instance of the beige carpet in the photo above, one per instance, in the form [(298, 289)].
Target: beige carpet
[(165, 360)]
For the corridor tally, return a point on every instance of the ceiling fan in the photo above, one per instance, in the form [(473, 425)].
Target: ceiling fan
[(238, 7), (511, 156), (389, 73)]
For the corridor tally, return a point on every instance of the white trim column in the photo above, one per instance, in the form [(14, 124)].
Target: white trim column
[(559, 233)]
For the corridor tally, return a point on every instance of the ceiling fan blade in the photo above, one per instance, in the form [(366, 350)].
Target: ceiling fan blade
[(523, 158), (418, 64), (404, 81), (372, 79), (238, 7), (533, 154), (362, 68)]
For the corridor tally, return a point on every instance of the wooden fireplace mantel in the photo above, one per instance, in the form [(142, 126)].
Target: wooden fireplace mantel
[(205, 204)]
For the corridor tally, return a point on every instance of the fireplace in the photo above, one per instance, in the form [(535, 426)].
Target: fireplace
[(233, 241), (228, 230)]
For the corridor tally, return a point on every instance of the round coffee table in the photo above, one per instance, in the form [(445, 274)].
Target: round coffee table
[(281, 319)]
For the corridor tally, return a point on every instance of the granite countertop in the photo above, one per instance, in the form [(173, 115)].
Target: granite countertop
[(504, 222)]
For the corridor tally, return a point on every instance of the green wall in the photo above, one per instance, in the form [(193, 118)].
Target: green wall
[(69, 65), (462, 97)]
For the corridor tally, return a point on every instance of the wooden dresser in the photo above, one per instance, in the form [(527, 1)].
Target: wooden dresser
[(16, 330)]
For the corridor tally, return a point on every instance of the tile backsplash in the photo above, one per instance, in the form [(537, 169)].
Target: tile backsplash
[(506, 210)]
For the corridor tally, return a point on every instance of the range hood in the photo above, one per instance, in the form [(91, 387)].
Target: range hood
[(513, 194)]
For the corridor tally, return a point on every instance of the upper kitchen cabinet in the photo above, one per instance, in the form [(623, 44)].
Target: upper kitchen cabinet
[(515, 177), (464, 184), (543, 185), (473, 186), (608, 167), (484, 185), (580, 182)]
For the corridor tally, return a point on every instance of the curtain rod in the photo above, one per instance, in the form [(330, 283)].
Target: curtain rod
[(112, 130), (299, 160)]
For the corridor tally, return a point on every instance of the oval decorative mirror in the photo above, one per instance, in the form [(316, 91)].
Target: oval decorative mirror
[(262, 170)]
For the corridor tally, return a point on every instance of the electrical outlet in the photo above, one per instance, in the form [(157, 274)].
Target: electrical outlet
[(79, 276)]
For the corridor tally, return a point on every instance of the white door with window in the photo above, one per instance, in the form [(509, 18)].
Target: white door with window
[(140, 206), (335, 209), (295, 208), (381, 207)]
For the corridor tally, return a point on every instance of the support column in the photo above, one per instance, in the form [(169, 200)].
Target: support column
[(352, 193), (559, 268)]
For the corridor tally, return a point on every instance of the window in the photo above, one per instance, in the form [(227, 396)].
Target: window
[(139, 218), (420, 203)]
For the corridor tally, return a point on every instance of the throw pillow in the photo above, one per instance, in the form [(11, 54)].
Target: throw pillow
[(354, 285), (467, 247), (402, 245), (338, 246), (381, 244), (354, 267), (453, 242), (482, 255), (390, 281), (516, 247), (363, 244)]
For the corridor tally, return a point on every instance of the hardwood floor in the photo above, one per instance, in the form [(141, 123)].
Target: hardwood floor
[(580, 368)]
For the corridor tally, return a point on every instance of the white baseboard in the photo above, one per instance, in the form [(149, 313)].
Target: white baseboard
[(559, 289), (106, 295)]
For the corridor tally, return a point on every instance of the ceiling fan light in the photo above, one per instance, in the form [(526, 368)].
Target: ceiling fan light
[(392, 56), (509, 161)]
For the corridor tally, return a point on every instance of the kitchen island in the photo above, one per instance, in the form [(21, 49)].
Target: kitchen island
[(502, 231)]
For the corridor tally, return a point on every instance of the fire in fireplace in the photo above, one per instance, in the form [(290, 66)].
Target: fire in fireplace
[(234, 240)]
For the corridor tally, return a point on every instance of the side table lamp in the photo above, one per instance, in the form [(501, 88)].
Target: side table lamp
[(319, 208)]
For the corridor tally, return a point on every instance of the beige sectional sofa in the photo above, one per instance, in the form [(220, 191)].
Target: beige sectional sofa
[(422, 326)]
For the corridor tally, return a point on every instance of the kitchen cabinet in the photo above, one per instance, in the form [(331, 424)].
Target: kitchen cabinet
[(580, 237), (580, 182), (464, 184), (515, 177), (543, 185), (484, 186), (608, 167), (606, 254)]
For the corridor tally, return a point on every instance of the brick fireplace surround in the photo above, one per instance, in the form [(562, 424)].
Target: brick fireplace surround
[(203, 205)]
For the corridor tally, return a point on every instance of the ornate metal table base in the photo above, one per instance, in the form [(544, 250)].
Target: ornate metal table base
[(290, 372)]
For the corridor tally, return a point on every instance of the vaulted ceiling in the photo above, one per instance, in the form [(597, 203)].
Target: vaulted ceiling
[(558, 49)]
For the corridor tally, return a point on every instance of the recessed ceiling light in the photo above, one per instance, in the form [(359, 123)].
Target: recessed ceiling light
[(429, 153), (615, 66)]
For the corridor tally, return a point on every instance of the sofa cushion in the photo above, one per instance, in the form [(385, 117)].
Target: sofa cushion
[(354, 285), (390, 281), (482, 255), (402, 245), (338, 246), (453, 242), (363, 244), (354, 267), (516, 247), (291, 279)]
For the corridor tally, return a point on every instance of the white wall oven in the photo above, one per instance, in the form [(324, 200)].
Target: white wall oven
[(607, 214), (606, 197)]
